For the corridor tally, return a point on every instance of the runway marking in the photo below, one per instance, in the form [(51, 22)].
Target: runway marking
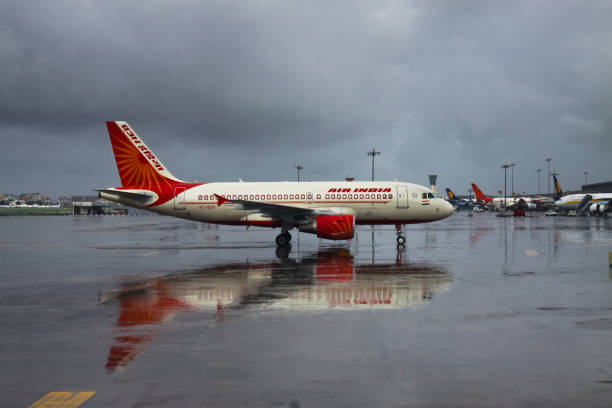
[(64, 399), (149, 253), (531, 252)]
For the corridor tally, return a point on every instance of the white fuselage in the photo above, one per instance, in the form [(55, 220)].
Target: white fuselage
[(379, 202), (571, 201)]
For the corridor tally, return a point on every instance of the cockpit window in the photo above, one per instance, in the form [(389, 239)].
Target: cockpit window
[(424, 195), (431, 195)]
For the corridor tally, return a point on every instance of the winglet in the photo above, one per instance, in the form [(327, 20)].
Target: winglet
[(220, 200)]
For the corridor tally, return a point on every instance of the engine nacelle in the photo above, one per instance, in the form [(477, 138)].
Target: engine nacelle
[(331, 226), (597, 208)]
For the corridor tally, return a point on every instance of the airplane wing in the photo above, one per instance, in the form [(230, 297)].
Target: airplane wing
[(277, 211)]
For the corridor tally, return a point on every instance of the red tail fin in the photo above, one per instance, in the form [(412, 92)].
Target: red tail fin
[(480, 195), (137, 165)]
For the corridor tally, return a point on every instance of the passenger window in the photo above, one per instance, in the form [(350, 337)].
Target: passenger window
[(327, 196), (384, 196), (318, 196), (199, 198), (390, 196), (344, 196), (252, 197), (378, 196), (350, 196), (269, 197), (286, 196)]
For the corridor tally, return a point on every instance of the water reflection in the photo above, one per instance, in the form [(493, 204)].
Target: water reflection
[(327, 279)]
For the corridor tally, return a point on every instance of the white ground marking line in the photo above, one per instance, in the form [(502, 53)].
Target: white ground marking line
[(149, 253), (531, 252)]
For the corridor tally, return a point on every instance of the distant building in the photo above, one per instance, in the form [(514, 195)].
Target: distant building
[(605, 187), (92, 205)]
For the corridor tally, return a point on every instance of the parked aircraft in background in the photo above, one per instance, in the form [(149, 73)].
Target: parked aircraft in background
[(328, 209), (595, 203), (459, 203), (507, 202)]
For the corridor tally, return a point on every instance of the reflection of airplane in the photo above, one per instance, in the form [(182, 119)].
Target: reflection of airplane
[(328, 279), (328, 209), (459, 203)]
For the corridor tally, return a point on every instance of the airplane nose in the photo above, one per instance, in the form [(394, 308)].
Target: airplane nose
[(447, 209)]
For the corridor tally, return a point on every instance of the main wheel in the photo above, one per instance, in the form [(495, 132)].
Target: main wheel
[(401, 240), (283, 239)]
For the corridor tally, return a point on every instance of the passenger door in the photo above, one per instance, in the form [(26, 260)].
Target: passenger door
[(179, 198), (401, 194)]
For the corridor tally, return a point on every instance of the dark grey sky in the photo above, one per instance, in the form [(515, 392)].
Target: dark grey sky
[(228, 89)]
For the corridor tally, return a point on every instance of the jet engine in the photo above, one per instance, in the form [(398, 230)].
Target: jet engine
[(331, 226), (595, 209)]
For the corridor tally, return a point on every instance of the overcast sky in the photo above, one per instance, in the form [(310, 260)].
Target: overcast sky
[(227, 89)]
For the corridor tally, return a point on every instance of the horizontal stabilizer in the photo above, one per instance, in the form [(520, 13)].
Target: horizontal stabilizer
[(142, 197)]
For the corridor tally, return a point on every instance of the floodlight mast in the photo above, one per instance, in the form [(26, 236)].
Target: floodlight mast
[(299, 167), (505, 166), (373, 153)]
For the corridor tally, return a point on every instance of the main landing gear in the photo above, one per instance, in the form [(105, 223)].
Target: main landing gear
[(283, 239), (401, 240)]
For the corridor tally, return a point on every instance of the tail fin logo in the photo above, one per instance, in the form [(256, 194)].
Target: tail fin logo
[(479, 194), (145, 151), (557, 186), (137, 165), (450, 194)]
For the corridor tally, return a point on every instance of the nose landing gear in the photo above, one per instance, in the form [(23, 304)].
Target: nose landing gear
[(401, 240)]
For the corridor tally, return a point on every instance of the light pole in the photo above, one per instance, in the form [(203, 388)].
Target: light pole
[(548, 173), (505, 166), (512, 168), (373, 153), (539, 171), (299, 167), (586, 177)]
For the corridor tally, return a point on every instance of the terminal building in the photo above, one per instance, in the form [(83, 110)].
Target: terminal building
[(605, 187)]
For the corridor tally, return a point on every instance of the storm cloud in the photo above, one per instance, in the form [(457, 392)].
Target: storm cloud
[(228, 89)]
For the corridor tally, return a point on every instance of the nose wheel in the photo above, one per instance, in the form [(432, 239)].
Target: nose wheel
[(282, 240), (401, 240)]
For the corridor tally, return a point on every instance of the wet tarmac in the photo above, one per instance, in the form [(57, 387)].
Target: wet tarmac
[(158, 312)]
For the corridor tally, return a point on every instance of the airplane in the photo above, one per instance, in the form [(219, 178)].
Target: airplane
[(459, 203), (328, 209), (525, 203), (595, 203)]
